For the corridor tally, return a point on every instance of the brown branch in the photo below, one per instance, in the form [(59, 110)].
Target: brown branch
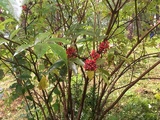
[(111, 23), (9, 40), (137, 26), (151, 78), (117, 5), (119, 66), (64, 101), (83, 95), (109, 5), (127, 88), (9, 61), (49, 96), (133, 48), (70, 107), (61, 10)]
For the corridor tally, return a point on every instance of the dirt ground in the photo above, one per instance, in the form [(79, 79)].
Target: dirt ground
[(9, 112), (14, 110)]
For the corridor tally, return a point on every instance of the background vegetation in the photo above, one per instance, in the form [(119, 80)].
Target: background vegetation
[(76, 59)]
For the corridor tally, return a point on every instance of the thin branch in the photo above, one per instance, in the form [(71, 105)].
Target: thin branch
[(119, 66), (127, 88), (123, 4), (133, 48), (137, 26), (151, 78), (18, 64), (83, 95), (52, 91), (9, 40), (70, 107), (109, 5)]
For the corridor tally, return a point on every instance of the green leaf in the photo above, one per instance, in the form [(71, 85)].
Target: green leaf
[(60, 51), (30, 118), (41, 37), (124, 58), (13, 85), (2, 41), (29, 98), (14, 33), (104, 71), (56, 65), (19, 89), (13, 6), (30, 86), (56, 105), (112, 117), (2, 24), (56, 91), (50, 99), (110, 57), (40, 49), (85, 40), (100, 61), (21, 48), (105, 78), (63, 71), (105, 75), (77, 61), (87, 32), (63, 40), (25, 76)]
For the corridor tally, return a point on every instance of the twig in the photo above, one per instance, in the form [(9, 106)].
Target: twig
[(127, 88)]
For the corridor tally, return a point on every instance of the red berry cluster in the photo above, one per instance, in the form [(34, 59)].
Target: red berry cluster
[(95, 55), (71, 52), (90, 65), (103, 46)]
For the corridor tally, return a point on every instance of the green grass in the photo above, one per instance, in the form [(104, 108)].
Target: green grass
[(139, 103)]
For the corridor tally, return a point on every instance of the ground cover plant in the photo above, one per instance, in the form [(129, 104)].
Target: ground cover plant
[(76, 59)]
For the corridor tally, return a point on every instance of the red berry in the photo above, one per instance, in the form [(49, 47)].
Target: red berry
[(2, 19), (71, 52), (90, 65), (24, 7), (103, 46), (95, 55)]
